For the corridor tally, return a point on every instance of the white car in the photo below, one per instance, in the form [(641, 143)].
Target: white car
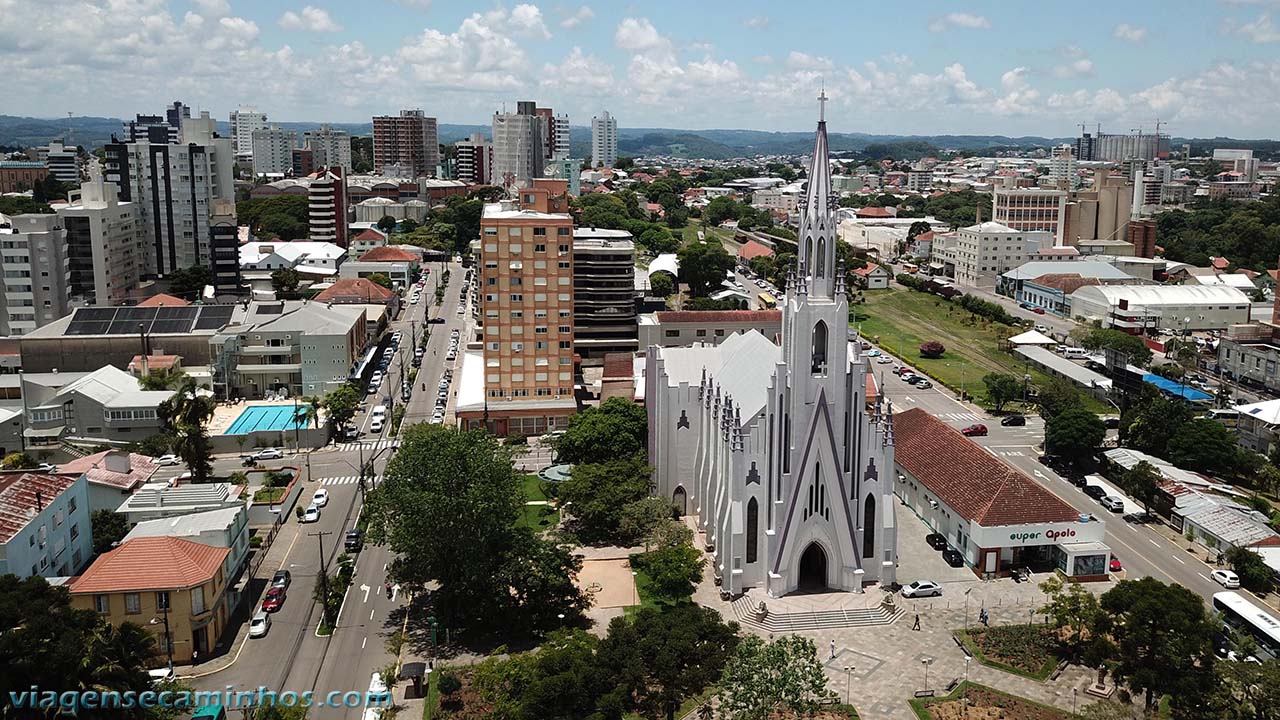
[(268, 454), (321, 498), (376, 379), (375, 425), (168, 460), (311, 514), (437, 418), (922, 588), (884, 360), (259, 625), (1226, 579)]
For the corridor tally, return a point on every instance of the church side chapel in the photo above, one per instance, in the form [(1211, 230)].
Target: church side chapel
[(771, 447)]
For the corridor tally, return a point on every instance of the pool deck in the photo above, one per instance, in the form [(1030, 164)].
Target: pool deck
[(224, 415)]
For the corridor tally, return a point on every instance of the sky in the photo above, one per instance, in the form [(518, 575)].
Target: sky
[(1202, 67)]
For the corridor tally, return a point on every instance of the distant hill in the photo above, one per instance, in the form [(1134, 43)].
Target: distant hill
[(712, 144)]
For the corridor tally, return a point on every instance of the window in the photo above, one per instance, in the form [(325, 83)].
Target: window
[(540, 247), (162, 601), (75, 531), (563, 232), (671, 333), (565, 344), (517, 297), (197, 601), (562, 249), (102, 603), (539, 232), (566, 329), (132, 603), (540, 330)]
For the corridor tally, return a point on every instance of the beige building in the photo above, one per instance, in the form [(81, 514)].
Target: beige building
[(977, 255), (105, 243), (682, 328), (1100, 213), (1030, 209)]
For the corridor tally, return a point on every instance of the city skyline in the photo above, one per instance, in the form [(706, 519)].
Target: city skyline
[(974, 67)]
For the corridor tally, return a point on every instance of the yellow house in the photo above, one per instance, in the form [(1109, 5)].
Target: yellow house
[(164, 584)]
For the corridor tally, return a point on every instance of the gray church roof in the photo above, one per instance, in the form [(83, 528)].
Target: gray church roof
[(742, 363)]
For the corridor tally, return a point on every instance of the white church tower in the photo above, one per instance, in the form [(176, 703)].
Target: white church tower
[(774, 448)]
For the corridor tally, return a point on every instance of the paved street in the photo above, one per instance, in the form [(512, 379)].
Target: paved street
[(291, 656)]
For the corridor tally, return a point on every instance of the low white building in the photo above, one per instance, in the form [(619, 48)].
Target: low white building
[(977, 255), (224, 528), (682, 328), (158, 500), (1133, 308), (298, 254), (1258, 427)]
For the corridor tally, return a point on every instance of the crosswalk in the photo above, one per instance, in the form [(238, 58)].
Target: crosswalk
[(1011, 453), (368, 446), (346, 480), (961, 417)]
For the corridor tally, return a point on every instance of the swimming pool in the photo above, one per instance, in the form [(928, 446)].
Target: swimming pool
[(266, 417)]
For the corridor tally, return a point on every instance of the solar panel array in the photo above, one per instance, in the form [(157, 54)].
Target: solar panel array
[(162, 320)]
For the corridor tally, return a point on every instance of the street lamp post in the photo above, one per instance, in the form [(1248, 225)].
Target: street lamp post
[(847, 670), (966, 609), (168, 638), (635, 592), (926, 662), (1073, 700), (967, 660)]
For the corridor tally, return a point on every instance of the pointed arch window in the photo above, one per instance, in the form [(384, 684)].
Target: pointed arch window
[(869, 527), (819, 348), (821, 260), (808, 251), (753, 529)]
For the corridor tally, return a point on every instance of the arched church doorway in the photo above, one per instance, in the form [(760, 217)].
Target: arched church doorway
[(813, 569), (681, 500)]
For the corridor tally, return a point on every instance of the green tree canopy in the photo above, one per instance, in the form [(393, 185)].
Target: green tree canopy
[(617, 429), (189, 283), (673, 570), (1002, 389), (599, 492), (285, 280), (1130, 345), (341, 402), (381, 279), (779, 678), (1072, 608), (1203, 445), (184, 417), (285, 216), (109, 527), (1142, 481), (1056, 397), (1151, 420), (662, 285), (1074, 434), (1254, 573), (386, 223), (703, 267)]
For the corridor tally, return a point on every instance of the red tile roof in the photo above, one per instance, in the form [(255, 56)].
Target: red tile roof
[(1219, 263), (754, 249), (18, 498), (866, 269), (108, 468), (719, 316), (926, 236), (966, 477), (388, 254), (154, 362), (165, 300), (1066, 282), (371, 235), (355, 290), (151, 563), (874, 212)]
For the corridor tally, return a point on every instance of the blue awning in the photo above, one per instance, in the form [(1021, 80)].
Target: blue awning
[(1177, 389)]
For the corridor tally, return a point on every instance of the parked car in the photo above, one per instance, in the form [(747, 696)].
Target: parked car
[(274, 599), (1013, 420), (1038, 311), (321, 498), (311, 514), (923, 384), (259, 625), (936, 541), (884, 360), (282, 578), (271, 453), (353, 541), (872, 353), (168, 460), (1111, 422), (1113, 503), (1025, 306), (1226, 579), (975, 430), (922, 588), (1115, 565), (953, 557), (1138, 518), (1097, 492), (1040, 328)]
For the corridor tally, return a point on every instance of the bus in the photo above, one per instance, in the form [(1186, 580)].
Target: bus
[(210, 712), (1244, 617), (1226, 416), (767, 301)]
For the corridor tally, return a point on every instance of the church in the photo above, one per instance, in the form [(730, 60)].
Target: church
[(772, 447)]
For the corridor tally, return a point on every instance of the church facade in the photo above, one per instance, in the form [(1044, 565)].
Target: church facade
[(773, 447)]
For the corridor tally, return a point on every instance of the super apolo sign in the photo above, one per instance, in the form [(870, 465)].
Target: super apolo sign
[(1037, 534)]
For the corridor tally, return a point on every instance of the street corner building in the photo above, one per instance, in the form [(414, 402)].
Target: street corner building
[(773, 448)]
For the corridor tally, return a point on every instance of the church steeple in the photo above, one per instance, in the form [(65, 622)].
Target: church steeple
[(817, 254)]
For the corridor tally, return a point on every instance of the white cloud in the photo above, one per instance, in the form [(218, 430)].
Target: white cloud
[(959, 20), (797, 60), (578, 72), (757, 22), (579, 16), (639, 35), (417, 4), (1132, 33), (213, 8), (1075, 63), (1261, 31), (527, 20), (310, 19), (1018, 97)]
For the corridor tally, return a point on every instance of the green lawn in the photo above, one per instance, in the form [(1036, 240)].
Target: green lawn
[(269, 495), (538, 517), (899, 319), (644, 593), (690, 235)]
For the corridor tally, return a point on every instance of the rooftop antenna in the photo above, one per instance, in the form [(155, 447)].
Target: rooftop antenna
[(822, 100), (69, 143)]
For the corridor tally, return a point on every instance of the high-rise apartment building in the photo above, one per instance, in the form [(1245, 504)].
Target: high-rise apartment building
[(473, 160), (555, 133), (604, 140), (61, 160), (1029, 209), (105, 244), (175, 188), (37, 274), (224, 249), (273, 150), (177, 114), (409, 140), (329, 147), (1062, 168), (525, 261), (150, 128), (519, 146), (244, 121), (327, 206), (604, 293)]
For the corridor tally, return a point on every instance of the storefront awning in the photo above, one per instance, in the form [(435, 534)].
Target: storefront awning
[(43, 432)]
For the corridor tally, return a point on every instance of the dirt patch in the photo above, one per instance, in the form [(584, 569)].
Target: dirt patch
[(608, 582), (986, 704)]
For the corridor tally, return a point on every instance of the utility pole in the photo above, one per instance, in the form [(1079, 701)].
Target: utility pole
[(324, 575)]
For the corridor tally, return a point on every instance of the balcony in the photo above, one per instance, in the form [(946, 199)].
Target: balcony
[(267, 349), (269, 369)]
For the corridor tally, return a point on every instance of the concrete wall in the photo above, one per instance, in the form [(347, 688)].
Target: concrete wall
[(264, 514)]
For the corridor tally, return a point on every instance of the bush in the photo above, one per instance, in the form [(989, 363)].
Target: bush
[(448, 684), (932, 349), (277, 478), (517, 439)]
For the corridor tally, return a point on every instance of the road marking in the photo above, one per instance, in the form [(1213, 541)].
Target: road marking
[(1039, 474), (1153, 542), (365, 588), (371, 612), (1206, 577), (362, 642), (993, 452), (1180, 560)]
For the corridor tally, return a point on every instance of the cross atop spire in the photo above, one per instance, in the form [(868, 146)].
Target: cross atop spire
[(822, 103)]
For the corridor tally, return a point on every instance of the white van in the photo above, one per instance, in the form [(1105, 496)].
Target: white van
[(1071, 353), (379, 411)]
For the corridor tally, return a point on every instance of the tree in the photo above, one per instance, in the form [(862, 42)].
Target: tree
[(1074, 434), (597, 493), (1203, 445), (1131, 346), (1163, 638), (285, 281), (673, 570), (782, 677), (342, 402), (168, 378), (618, 428), (661, 285), (108, 527), (720, 209), (20, 205), (190, 282), (283, 216), (183, 417), (918, 227), (703, 267), (381, 279), (309, 411), (1002, 389), (1150, 422), (1073, 609), (448, 508), (386, 223), (932, 349), (642, 518), (1056, 397), (18, 461), (1142, 482), (1249, 565)]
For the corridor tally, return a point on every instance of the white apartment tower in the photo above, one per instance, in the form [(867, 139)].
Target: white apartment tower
[(36, 272), (604, 140), (519, 148), (1062, 168), (273, 150), (474, 160), (329, 147), (244, 122), (559, 137), (105, 243), (61, 160)]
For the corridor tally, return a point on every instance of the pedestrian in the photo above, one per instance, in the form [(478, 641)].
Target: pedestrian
[(195, 656), (917, 625), (833, 649)]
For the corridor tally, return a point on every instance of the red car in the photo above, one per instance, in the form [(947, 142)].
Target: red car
[(1038, 311), (975, 430), (274, 599), (1115, 564)]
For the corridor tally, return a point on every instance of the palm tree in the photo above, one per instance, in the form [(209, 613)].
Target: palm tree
[(309, 411), (184, 415)]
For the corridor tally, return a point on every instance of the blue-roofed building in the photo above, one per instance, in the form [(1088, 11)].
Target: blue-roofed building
[(1177, 389)]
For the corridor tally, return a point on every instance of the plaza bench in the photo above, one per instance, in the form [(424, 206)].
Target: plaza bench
[(955, 683), (924, 693)]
